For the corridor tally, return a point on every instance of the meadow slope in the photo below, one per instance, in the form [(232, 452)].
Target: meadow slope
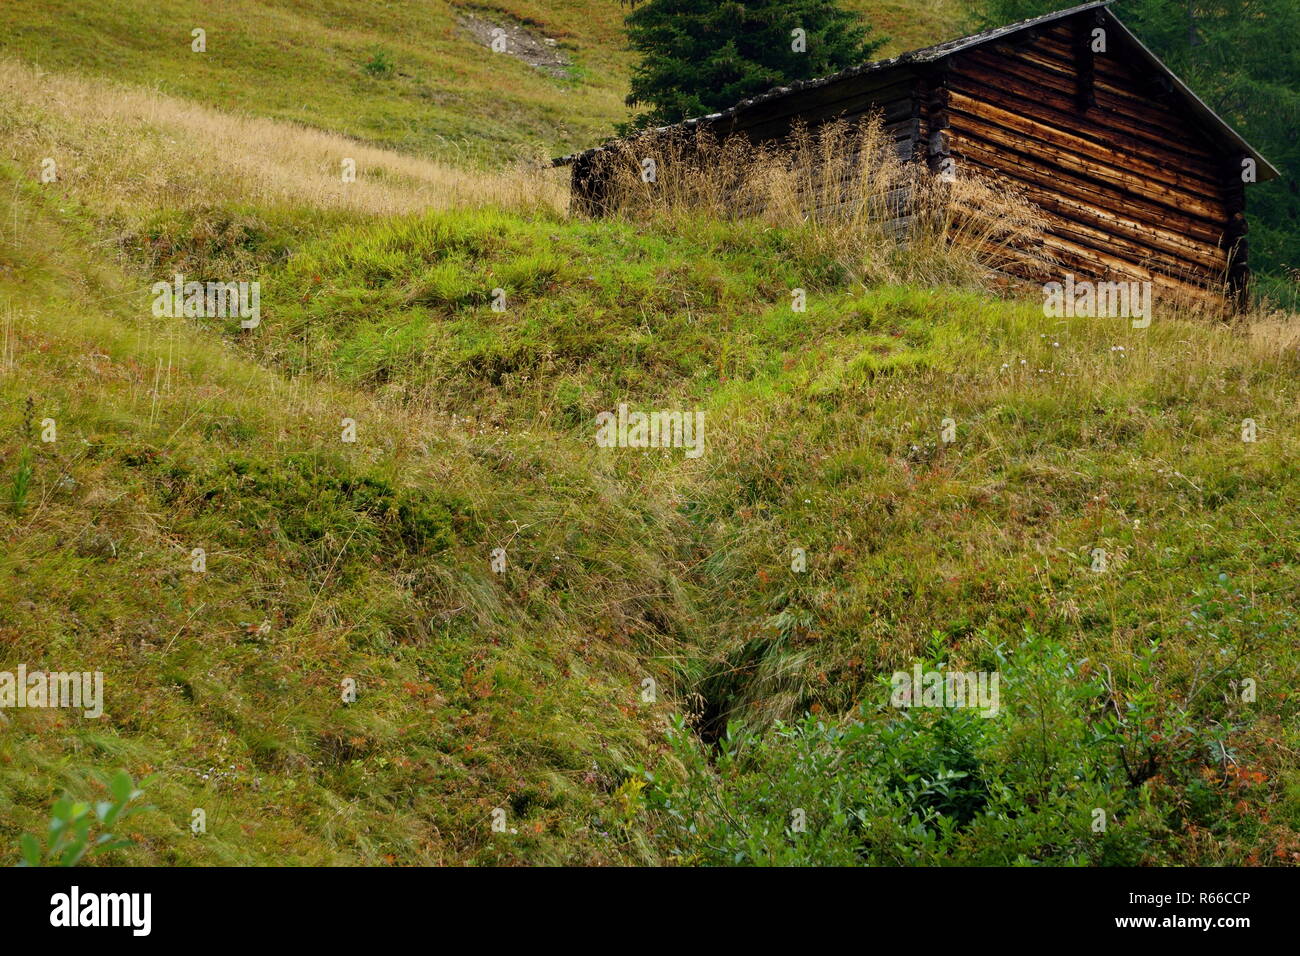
[(408, 75), (523, 690), (654, 676)]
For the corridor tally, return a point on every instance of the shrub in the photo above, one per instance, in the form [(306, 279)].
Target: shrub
[(1047, 780), (21, 485), (79, 829), (380, 64)]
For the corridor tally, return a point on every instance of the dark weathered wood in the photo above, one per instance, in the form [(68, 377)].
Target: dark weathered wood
[(1085, 75), (1155, 168), (938, 150), (1101, 126), (825, 103), (1132, 104), (1089, 168), (1238, 270), (1038, 179)]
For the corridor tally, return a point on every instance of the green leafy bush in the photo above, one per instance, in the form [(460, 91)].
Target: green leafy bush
[(78, 829), (1050, 779), (380, 64)]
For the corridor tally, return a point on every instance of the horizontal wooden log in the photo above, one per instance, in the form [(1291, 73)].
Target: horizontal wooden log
[(1120, 64), (1037, 178), (1102, 126), (870, 85), (1156, 260), (1090, 263), (886, 87), (1135, 236), (1050, 155), (1132, 107), (1137, 101), (891, 114), (1098, 262), (1034, 130)]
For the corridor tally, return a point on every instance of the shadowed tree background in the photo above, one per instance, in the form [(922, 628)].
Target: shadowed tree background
[(701, 56)]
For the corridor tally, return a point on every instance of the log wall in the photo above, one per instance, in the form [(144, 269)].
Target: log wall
[(1133, 188)]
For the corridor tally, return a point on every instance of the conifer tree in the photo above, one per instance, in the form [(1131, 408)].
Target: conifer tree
[(702, 56)]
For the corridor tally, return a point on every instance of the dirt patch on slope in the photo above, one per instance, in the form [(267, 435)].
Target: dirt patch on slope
[(518, 41)]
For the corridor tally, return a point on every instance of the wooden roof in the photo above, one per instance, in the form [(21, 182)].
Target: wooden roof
[(1213, 125)]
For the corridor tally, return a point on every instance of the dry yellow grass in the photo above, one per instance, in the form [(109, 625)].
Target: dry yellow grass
[(882, 217), (125, 148), (1272, 332)]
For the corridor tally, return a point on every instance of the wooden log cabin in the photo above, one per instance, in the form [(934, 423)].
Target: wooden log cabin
[(1137, 177)]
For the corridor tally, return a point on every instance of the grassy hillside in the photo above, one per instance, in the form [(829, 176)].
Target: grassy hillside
[(403, 73), (649, 679), (328, 560), (324, 561)]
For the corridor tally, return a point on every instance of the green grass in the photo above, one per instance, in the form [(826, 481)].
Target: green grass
[(440, 92), (329, 560), (366, 561), (475, 432)]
